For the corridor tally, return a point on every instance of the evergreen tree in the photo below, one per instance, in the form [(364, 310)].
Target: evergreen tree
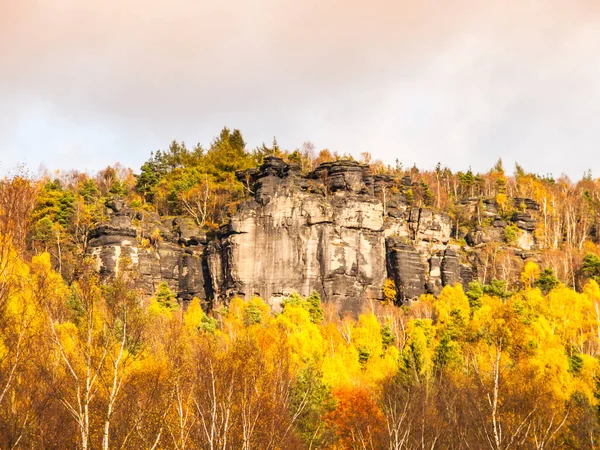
[(165, 296), (591, 267), (147, 180), (547, 281)]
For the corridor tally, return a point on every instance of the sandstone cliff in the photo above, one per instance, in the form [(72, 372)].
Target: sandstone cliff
[(340, 231)]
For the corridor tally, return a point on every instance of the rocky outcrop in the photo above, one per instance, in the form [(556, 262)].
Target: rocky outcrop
[(524, 221), (407, 269), (340, 231), (114, 244), (154, 250), (526, 204), (325, 233), (453, 270)]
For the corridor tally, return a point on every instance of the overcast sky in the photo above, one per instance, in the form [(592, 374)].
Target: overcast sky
[(85, 83)]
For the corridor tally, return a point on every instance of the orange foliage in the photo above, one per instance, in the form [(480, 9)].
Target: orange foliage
[(357, 420)]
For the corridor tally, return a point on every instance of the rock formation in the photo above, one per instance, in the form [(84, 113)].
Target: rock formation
[(340, 231), (324, 234)]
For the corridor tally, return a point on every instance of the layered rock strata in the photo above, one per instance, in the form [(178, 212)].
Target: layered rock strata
[(340, 231)]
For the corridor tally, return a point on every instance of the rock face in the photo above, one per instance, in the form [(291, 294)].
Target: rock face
[(114, 244), (340, 231), (175, 256), (407, 268), (324, 234)]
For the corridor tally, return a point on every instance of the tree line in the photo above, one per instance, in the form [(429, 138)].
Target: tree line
[(92, 365)]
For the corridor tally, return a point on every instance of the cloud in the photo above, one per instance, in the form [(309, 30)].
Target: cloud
[(86, 83)]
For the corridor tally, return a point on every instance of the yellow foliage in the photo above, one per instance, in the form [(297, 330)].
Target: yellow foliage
[(550, 368), (194, 314), (377, 363), (531, 271), (366, 336), (543, 348), (502, 201), (3, 350), (68, 335), (341, 366), (565, 309), (452, 299), (303, 336), (592, 291), (157, 310), (419, 351), (585, 381), (389, 290)]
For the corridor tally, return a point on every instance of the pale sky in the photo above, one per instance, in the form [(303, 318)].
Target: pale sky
[(84, 83)]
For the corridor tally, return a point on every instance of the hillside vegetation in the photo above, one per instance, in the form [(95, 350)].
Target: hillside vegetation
[(509, 361), (88, 365)]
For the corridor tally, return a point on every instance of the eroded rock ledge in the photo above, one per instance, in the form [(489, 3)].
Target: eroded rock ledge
[(340, 231)]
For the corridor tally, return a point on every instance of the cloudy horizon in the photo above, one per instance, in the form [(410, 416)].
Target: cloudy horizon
[(84, 84)]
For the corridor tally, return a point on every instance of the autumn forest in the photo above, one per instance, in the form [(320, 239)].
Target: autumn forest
[(509, 360)]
